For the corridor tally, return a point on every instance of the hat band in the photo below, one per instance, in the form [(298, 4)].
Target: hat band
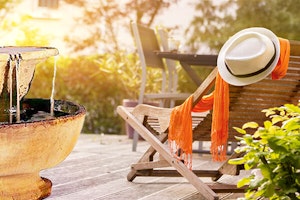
[(254, 73)]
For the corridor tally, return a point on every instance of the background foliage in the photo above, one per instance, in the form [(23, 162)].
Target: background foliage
[(100, 80), (216, 21), (104, 20)]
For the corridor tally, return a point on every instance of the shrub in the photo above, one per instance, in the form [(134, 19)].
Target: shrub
[(274, 149)]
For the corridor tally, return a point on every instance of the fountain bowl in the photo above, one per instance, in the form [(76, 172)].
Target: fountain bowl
[(28, 147)]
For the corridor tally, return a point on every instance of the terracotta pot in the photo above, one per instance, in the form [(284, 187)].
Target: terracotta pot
[(29, 147)]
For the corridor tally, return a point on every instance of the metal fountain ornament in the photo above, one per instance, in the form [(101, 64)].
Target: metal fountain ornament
[(35, 134)]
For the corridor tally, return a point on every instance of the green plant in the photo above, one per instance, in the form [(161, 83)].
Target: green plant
[(274, 149)]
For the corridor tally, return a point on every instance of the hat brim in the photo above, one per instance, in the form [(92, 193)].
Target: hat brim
[(239, 81)]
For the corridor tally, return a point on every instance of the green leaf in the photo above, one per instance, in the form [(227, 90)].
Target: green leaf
[(251, 163), (265, 171), (248, 139), (293, 108), (296, 161), (277, 119), (297, 178), (269, 189), (277, 145), (239, 130), (257, 134), (250, 125), (268, 112), (260, 192), (244, 181), (264, 141), (255, 182), (238, 138), (291, 124), (237, 161), (267, 124), (282, 113), (242, 149)]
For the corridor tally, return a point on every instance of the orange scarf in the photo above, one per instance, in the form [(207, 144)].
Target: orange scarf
[(284, 58), (180, 129)]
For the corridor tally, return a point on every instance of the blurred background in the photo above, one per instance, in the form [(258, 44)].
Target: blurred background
[(98, 65)]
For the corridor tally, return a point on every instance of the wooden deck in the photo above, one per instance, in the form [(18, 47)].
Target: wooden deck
[(98, 166)]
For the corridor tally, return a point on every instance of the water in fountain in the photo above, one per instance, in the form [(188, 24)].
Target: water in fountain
[(53, 88)]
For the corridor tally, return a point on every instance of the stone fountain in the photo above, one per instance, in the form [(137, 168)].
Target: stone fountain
[(32, 136)]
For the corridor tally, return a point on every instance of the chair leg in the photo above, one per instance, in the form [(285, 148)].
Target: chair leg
[(206, 191), (147, 157), (135, 140), (227, 168), (200, 148)]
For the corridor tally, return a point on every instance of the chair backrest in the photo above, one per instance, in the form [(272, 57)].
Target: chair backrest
[(146, 43), (247, 102)]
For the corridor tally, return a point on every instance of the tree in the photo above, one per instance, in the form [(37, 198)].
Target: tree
[(106, 19), (16, 30), (216, 22), (6, 5)]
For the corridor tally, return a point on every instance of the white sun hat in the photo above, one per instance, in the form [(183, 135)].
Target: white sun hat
[(248, 56)]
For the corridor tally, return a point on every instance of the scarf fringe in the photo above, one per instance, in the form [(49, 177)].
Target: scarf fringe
[(180, 155)]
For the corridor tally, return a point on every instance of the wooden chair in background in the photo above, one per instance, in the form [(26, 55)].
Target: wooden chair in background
[(146, 44)]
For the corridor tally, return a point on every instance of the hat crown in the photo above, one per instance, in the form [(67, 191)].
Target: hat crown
[(249, 53)]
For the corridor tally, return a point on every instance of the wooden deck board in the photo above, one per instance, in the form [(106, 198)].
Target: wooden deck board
[(97, 169)]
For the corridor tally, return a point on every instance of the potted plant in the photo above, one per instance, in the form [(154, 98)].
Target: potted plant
[(274, 151)]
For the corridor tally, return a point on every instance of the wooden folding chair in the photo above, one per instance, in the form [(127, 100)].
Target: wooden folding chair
[(246, 103)]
